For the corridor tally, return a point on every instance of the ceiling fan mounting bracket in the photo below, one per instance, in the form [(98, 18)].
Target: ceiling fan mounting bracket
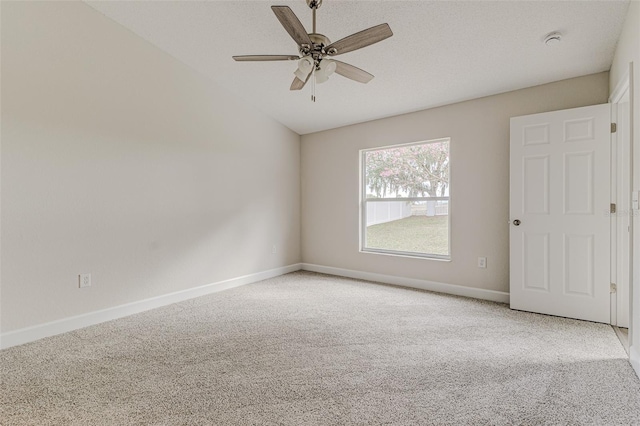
[(314, 4)]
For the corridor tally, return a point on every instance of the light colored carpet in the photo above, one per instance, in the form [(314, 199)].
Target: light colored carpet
[(307, 348)]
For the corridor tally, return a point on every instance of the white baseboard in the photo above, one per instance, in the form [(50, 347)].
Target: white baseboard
[(458, 290), (30, 334), (634, 358)]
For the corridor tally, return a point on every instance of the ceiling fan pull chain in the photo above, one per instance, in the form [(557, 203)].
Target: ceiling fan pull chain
[(313, 84)]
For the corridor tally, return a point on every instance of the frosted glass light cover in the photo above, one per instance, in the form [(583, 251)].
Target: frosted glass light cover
[(327, 67), (321, 77), (305, 65)]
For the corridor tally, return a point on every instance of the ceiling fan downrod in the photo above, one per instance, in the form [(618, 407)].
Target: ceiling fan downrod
[(314, 5)]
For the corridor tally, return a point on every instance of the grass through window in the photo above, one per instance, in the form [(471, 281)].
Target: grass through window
[(420, 234)]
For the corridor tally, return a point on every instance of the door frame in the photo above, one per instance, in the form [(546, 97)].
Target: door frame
[(620, 253)]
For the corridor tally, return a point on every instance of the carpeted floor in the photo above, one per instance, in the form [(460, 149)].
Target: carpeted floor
[(307, 348)]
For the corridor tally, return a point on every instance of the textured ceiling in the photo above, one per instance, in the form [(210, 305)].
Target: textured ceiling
[(441, 52)]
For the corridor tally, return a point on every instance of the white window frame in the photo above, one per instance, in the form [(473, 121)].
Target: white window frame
[(364, 200)]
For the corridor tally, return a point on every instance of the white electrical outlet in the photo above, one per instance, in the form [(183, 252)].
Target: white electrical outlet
[(84, 280), (482, 262), (274, 250)]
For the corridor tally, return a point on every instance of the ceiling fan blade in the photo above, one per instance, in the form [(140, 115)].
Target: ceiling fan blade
[(360, 39), (266, 58), (298, 84), (354, 73), (292, 24)]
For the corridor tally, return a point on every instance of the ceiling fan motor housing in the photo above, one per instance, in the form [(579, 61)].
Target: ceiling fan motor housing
[(316, 50)]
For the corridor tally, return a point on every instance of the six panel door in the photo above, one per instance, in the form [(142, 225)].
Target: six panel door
[(559, 199)]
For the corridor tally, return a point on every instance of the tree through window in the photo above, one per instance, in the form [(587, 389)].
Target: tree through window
[(405, 199)]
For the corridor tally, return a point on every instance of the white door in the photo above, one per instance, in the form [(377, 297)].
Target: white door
[(559, 210)]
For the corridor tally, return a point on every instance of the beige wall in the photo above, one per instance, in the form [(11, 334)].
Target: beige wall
[(628, 51), (120, 161), (479, 131)]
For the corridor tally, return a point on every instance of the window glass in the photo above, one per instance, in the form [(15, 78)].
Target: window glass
[(405, 199)]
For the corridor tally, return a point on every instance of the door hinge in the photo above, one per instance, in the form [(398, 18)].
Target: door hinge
[(612, 208), (614, 127), (613, 288)]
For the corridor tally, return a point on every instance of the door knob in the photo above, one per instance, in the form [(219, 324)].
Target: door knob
[(516, 222)]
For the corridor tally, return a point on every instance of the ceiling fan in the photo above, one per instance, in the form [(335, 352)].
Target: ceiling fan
[(315, 49)]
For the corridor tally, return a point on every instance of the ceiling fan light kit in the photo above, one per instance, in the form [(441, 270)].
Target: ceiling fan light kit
[(305, 66), (314, 49)]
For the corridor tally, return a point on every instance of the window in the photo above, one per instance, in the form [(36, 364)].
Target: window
[(405, 199)]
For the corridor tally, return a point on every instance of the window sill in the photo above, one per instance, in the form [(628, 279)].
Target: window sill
[(437, 258)]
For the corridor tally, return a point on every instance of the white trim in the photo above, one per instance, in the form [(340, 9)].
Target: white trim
[(634, 359), (633, 285), (621, 88), (619, 164), (407, 254), (458, 290), (407, 199), (400, 145), (30, 334)]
